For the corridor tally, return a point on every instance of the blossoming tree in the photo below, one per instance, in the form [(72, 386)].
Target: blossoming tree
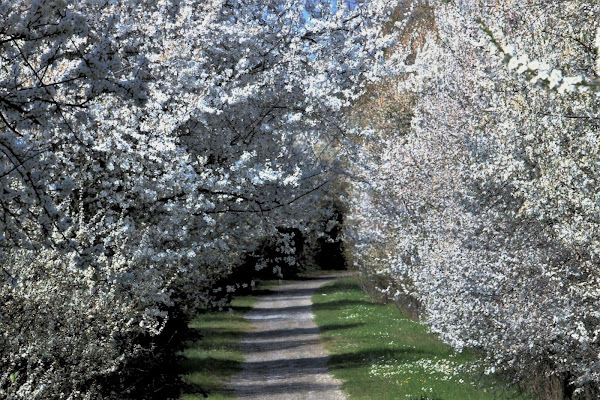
[(145, 146), (483, 212)]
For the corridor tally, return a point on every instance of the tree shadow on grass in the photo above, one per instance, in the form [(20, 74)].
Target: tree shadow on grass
[(211, 358), (202, 367), (280, 377), (260, 390), (425, 398), (214, 338), (282, 333), (207, 366), (207, 338), (366, 358), (338, 286), (261, 292), (233, 335), (334, 305)]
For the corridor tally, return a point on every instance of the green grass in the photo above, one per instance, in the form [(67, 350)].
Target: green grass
[(379, 353), (213, 359)]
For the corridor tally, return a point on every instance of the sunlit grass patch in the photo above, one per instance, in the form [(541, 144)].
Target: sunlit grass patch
[(443, 369), (381, 354), (213, 359)]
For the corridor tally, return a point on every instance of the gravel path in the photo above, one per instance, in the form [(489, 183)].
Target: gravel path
[(285, 359)]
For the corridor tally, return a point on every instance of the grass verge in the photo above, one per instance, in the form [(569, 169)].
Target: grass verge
[(215, 357), (378, 353)]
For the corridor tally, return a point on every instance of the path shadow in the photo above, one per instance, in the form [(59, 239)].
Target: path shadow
[(307, 370), (261, 389), (279, 310), (327, 274), (291, 293), (274, 333), (291, 367), (281, 333), (269, 345)]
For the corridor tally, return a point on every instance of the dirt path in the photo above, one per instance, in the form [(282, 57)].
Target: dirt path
[(285, 359)]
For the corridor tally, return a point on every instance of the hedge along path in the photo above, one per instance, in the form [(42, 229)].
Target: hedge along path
[(284, 356)]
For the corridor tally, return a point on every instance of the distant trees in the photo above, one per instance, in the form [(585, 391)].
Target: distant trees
[(483, 211)]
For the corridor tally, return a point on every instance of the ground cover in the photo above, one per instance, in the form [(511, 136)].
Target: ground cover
[(215, 357), (383, 354), (212, 359)]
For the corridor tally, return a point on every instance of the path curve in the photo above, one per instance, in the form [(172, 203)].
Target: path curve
[(284, 357)]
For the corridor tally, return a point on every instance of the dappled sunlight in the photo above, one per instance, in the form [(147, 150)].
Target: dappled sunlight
[(385, 355)]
